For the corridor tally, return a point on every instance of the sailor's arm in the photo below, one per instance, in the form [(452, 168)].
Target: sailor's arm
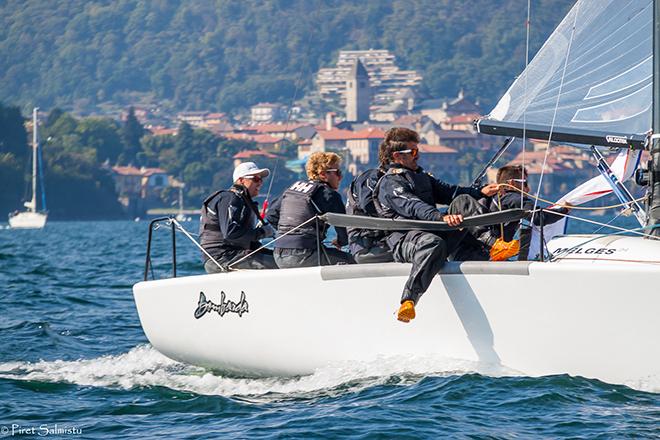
[(233, 218), (444, 193), (338, 207), (273, 213)]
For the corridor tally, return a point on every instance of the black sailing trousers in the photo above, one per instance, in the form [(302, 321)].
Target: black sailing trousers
[(428, 251)]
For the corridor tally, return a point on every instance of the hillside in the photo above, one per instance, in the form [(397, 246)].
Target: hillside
[(224, 55)]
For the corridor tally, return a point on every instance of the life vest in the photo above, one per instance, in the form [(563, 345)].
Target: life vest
[(363, 238), (297, 207), (353, 206), (210, 235), (420, 183)]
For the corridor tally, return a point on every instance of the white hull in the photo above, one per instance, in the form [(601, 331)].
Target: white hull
[(28, 220), (587, 317)]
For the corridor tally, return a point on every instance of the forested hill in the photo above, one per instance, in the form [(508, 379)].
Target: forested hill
[(226, 54)]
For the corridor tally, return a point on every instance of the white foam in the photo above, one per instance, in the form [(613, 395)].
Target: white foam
[(143, 366)]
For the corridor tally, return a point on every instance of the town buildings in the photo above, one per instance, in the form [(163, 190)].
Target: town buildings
[(386, 80)]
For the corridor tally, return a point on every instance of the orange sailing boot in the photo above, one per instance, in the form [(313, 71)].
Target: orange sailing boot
[(406, 311)]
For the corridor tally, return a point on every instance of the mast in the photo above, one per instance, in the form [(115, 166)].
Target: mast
[(181, 200), (35, 147), (654, 211)]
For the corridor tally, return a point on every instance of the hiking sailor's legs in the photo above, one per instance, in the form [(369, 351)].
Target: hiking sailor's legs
[(366, 249), (470, 243), (428, 253)]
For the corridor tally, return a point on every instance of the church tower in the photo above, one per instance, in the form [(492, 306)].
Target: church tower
[(358, 94)]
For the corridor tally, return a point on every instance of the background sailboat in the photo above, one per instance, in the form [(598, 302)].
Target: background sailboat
[(31, 218), (181, 216)]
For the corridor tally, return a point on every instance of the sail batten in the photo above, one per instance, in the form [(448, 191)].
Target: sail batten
[(605, 85)]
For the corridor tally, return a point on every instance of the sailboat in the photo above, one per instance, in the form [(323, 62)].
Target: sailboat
[(181, 216), (31, 218), (589, 311)]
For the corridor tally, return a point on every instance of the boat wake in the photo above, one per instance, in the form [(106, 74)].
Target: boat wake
[(143, 366)]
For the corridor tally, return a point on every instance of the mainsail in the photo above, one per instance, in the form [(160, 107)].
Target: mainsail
[(590, 83)]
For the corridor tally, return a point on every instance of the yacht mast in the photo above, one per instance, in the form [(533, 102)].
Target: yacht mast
[(181, 200), (35, 147), (654, 171)]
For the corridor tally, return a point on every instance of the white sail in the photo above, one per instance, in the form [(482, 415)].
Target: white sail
[(593, 73)]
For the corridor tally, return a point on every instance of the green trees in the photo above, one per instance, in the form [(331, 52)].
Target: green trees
[(77, 184), (226, 55), (131, 133), (14, 152)]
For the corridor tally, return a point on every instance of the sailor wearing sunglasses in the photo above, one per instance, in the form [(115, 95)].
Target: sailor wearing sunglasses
[(299, 244), (407, 191), (231, 225)]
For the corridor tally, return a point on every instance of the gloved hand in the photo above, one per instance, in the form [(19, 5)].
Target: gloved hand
[(267, 231)]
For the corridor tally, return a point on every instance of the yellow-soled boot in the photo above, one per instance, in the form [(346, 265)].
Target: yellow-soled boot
[(406, 311)]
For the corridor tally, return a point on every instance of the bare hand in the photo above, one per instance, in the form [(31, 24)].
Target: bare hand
[(490, 189), (335, 243), (453, 219)]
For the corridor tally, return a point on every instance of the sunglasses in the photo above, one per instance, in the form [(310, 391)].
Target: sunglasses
[(334, 170), (256, 178), (413, 152)]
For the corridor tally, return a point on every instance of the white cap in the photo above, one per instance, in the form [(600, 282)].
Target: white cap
[(249, 169)]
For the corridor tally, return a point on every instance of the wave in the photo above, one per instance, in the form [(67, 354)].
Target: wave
[(143, 366)]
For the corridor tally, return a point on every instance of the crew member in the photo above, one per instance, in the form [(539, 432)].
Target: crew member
[(406, 191), (231, 226), (513, 184), (368, 245), (301, 202)]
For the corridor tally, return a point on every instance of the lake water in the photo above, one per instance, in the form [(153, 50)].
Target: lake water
[(74, 363)]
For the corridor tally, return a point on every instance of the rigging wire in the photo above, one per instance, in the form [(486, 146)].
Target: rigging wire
[(622, 212), (554, 115), (593, 222), (303, 67), (584, 208), (263, 246), (524, 136)]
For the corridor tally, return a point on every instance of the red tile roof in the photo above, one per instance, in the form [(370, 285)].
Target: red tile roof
[(265, 139), (127, 171), (407, 120), (216, 116), (274, 128), (369, 133), (463, 119), (162, 131), (151, 171), (435, 149), (336, 134)]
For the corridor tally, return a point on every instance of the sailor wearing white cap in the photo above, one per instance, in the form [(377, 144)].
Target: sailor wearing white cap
[(231, 225)]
